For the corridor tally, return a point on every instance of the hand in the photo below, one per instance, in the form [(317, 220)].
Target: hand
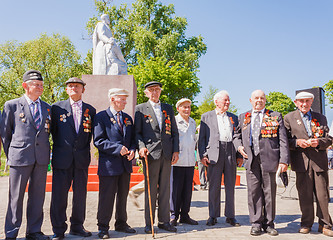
[(302, 143), (283, 166), (124, 151), (143, 152), (239, 162), (205, 161), (175, 157), (130, 156), (242, 151), (314, 142)]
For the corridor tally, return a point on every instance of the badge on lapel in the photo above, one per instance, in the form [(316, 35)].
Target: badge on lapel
[(22, 116), (47, 121), (87, 121)]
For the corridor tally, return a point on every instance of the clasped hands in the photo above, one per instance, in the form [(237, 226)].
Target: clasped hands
[(143, 152), (125, 152), (303, 143)]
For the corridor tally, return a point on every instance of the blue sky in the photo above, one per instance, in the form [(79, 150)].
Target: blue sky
[(273, 45)]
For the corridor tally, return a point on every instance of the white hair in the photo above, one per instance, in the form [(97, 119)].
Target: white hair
[(220, 94)]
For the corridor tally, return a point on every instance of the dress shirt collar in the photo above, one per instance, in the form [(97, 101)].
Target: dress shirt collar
[(260, 111), (155, 105), (218, 112), (79, 103), (114, 112), (30, 101), (306, 115)]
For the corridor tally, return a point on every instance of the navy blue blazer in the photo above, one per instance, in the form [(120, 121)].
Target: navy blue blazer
[(109, 140), (68, 146)]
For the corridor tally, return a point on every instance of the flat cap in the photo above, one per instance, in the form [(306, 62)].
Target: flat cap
[(303, 95), (75, 80), (153, 83), (182, 100), (117, 91), (32, 75)]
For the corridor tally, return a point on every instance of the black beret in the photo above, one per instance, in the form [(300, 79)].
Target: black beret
[(150, 84), (75, 80), (32, 75)]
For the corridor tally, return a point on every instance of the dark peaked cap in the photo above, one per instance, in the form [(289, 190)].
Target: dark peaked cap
[(150, 84), (32, 75)]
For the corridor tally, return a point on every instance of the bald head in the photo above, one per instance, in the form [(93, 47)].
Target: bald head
[(258, 100)]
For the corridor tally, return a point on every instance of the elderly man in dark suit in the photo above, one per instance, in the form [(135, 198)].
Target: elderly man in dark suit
[(157, 138), (25, 130), (218, 153), (71, 128), (308, 140), (262, 140), (114, 139)]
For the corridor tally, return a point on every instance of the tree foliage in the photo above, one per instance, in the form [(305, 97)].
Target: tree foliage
[(153, 42), (54, 56), (328, 87), (279, 102)]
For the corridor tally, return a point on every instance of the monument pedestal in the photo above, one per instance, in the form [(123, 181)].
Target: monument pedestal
[(96, 94)]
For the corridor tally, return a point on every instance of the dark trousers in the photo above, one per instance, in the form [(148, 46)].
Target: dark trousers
[(226, 164), (18, 179), (109, 186), (159, 179), (261, 188), (311, 183), (62, 179), (182, 191)]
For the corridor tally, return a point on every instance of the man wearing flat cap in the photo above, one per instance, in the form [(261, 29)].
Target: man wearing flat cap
[(183, 170), (114, 138), (308, 140), (157, 138), (71, 129), (25, 130)]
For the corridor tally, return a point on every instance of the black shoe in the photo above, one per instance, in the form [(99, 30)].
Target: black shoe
[(9, 238), (148, 229), (271, 231), (167, 227), (57, 236), (232, 222), (255, 231), (188, 221), (36, 236), (173, 222), (125, 228), (103, 234), (211, 221), (80, 232)]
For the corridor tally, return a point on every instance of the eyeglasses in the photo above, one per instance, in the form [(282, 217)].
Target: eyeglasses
[(36, 85), (154, 89)]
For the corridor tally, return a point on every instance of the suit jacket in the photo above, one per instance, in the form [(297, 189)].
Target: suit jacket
[(209, 136), (274, 149), (300, 157), (70, 147), (109, 140), (23, 143), (148, 133)]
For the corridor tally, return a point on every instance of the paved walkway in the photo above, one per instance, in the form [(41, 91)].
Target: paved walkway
[(287, 219)]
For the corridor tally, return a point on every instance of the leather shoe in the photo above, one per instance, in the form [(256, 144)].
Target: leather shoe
[(125, 228), (36, 236), (9, 238), (80, 232), (326, 231), (103, 234), (271, 231), (189, 221), (167, 227), (232, 222), (305, 230), (57, 236), (173, 222), (255, 231), (211, 221), (148, 229)]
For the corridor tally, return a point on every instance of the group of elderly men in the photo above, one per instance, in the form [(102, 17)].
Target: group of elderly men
[(259, 138)]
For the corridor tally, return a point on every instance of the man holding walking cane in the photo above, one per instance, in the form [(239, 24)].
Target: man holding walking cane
[(157, 140)]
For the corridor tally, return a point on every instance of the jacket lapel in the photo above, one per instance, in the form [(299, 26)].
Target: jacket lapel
[(113, 119), (151, 112), (45, 114), (70, 118), (25, 109), (300, 123)]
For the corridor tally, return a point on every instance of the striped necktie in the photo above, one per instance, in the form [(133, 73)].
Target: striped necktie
[(36, 114)]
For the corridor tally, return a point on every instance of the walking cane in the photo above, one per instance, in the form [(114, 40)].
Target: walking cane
[(149, 198)]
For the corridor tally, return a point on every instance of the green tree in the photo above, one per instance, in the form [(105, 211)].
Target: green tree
[(54, 56), (153, 42), (279, 102), (328, 87)]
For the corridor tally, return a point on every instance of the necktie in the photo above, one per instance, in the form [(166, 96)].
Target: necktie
[(255, 134), (308, 124), (36, 114), (119, 122)]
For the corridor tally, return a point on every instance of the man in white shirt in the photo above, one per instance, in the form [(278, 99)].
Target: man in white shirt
[(216, 151), (183, 170)]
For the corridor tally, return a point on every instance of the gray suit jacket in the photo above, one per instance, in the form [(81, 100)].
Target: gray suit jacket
[(23, 143), (273, 150), (209, 136), (148, 133)]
